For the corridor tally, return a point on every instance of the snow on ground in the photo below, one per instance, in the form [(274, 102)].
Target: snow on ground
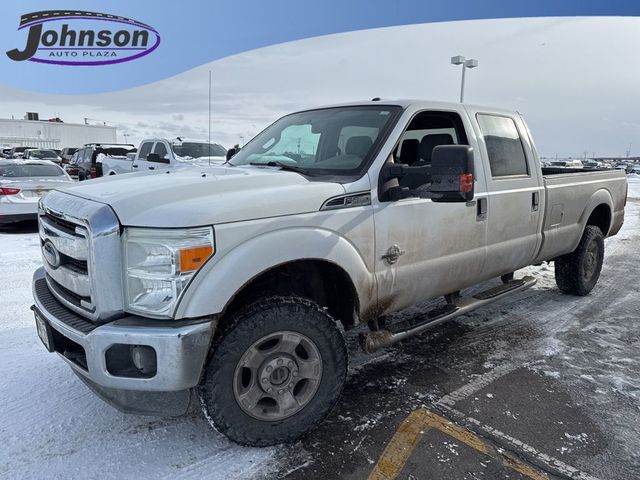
[(52, 426)]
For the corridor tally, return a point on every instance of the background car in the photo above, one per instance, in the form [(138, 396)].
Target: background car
[(18, 152), (23, 183), (41, 154), (67, 153), (83, 164)]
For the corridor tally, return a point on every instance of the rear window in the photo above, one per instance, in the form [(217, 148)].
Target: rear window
[(21, 171), (43, 154)]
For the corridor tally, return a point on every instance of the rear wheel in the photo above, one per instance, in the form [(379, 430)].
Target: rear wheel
[(275, 372), (578, 272)]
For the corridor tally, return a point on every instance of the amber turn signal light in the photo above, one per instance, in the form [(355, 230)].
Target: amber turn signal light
[(194, 257)]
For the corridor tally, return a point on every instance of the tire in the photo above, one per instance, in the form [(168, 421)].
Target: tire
[(578, 272), (233, 392)]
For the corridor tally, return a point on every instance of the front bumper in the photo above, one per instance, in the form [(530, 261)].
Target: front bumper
[(181, 348)]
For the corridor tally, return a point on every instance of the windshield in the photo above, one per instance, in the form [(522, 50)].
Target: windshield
[(331, 141), (21, 171), (43, 154), (197, 150)]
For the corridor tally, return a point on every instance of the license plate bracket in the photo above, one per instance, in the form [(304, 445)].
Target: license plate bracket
[(44, 330)]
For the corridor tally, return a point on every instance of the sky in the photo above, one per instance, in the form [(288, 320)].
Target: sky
[(574, 79)]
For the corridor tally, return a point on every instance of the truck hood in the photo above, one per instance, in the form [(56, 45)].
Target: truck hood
[(206, 196)]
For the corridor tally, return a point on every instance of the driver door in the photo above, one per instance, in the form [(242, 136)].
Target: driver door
[(424, 249)]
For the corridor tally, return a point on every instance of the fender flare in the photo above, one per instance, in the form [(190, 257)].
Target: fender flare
[(221, 278), (600, 197)]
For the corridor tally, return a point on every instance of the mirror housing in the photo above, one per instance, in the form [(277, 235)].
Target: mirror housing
[(231, 152), (154, 157), (452, 173)]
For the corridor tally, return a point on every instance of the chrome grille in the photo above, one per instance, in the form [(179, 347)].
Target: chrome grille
[(81, 251)]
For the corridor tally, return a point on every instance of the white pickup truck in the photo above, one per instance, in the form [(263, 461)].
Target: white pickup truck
[(235, 285), (164, 154)]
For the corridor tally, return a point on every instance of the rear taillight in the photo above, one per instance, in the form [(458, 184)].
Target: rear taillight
[(9, 191)]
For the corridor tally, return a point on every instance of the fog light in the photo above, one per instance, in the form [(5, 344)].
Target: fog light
[(144, 359)]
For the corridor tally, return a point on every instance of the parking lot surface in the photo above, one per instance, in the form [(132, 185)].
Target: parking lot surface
[(538, 385)]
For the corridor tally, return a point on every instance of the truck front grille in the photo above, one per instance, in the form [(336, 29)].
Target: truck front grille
[(81, 251)]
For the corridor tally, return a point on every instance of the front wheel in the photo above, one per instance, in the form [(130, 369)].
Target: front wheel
[(578, 272), (275, 372)]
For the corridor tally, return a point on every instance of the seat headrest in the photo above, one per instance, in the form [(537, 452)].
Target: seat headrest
[(409, 151), (358, 146), (429, 142)]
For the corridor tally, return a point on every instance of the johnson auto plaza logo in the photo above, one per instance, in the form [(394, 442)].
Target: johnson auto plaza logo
[(71, 37)]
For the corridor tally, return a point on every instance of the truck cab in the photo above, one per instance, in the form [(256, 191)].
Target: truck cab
[(161, 153)]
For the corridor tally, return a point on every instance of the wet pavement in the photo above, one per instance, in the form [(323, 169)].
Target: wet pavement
[(548, 381)]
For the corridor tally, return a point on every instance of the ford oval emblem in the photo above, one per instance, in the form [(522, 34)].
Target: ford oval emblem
[(51, 254), (79, 38)]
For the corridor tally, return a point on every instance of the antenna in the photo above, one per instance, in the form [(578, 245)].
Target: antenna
[(209, 144)]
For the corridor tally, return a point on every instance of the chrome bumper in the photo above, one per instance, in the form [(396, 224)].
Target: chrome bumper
[(181, 347)]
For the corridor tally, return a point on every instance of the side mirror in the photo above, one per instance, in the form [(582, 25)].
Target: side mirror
[(231, 152), (154, 157), (452, 173)]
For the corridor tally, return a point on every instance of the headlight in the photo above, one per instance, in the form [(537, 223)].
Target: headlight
[(159, 265)]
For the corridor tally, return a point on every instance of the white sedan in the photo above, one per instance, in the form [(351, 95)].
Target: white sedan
[(22, 183)]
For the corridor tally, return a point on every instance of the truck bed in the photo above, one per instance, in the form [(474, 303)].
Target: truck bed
[(572, 195)]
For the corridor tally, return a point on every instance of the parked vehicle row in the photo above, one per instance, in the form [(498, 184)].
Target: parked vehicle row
[(236, 287), (96, 159)]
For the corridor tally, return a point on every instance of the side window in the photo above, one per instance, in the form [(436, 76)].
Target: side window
[(161, 150), (145, 150), (504, 147), (86, 154)]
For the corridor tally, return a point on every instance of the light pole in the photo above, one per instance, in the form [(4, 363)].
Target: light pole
[(466, 63)]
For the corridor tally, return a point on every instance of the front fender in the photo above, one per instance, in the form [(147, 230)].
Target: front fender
[(221, 278)]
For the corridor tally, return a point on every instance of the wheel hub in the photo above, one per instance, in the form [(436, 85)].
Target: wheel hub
[(277, 376), (280, 371)]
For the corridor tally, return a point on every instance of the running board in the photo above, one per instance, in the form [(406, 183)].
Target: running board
[(373, 341)]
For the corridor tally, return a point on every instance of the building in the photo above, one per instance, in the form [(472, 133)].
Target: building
[(52, 134)]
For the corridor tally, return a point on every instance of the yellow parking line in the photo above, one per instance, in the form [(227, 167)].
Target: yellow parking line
[(409, 433)]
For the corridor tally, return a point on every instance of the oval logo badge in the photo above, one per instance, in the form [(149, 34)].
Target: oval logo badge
[(51, 254), (72, 37)]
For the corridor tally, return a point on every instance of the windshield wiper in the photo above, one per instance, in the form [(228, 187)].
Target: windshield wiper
[(284, 166)]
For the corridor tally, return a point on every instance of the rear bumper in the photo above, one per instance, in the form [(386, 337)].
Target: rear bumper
[(17, 211), (17, 217), (180, 348)]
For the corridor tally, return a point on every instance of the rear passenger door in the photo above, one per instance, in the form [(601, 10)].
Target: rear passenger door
[(514, 192)]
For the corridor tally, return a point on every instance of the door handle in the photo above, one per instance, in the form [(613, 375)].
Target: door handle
[(481, 209), (134, 166), (535, 201), (152, 168)]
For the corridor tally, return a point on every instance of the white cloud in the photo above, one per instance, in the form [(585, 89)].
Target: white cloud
[(573, 78)]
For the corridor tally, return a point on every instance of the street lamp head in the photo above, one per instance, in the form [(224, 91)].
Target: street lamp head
[(471, 63), (457, 60)]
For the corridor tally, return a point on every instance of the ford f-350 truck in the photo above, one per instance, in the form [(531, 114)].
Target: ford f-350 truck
[(235, 284)]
